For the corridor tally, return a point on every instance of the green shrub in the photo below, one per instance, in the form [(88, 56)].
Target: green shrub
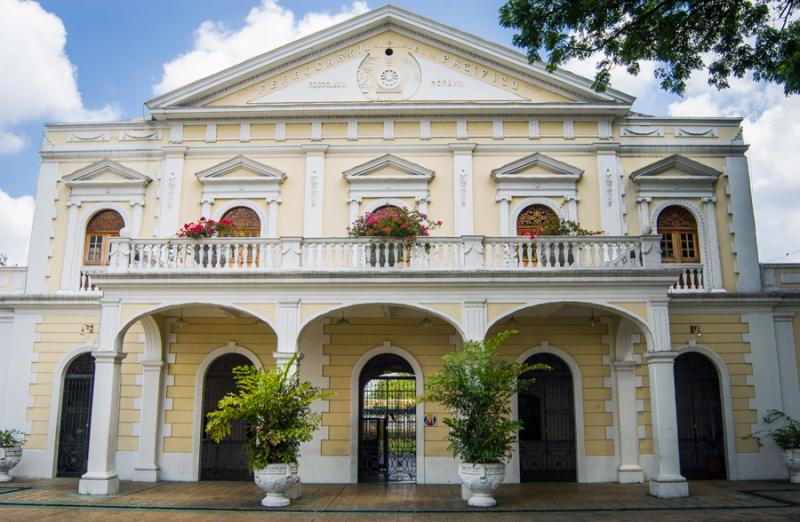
[(9, 438), (786, 437)]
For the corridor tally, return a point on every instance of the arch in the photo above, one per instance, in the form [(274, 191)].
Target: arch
[(512, 468), (200, 378), (537, 200), (699, 217), (386, 347), (679, 235), (252, 205), (727, 403), (529, 213), (384, 202), (56, 393)]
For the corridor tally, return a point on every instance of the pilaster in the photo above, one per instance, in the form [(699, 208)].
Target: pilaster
[(462, 182), (42, 230), (787, 363), (315, 187), (288, 324), (610, 190), (171, 183), (629, 471), (713, 262), (147, 469), (743, 226), (68, 278), (475, 318), (272, 215)]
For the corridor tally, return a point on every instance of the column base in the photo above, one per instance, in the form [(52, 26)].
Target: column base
[(98, 484), (146, 474), (672, 487), (630, 475)]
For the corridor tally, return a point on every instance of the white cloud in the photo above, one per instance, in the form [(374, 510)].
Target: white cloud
[(38, 80), (267, 26), (17, 213)]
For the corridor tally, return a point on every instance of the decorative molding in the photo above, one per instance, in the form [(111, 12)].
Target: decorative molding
[(128, 135), (694, 180), (697, 132), (86, 184), (88, 136), (533, 129), (641, 130), (412, 180), (559, 178), (219, 183)]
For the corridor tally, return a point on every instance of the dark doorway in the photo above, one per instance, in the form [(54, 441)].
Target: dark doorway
[(224, 460), (387, 414), (76, 417), (547, 448), (701, 439)]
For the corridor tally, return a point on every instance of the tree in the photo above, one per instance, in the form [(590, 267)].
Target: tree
[(736, 36)]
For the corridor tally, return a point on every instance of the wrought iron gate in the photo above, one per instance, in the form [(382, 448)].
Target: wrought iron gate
[(547, 410), (224, 460), (76, 416), (387, 442), (701, 439)]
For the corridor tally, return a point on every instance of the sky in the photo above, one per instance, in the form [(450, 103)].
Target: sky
[(100, 60)]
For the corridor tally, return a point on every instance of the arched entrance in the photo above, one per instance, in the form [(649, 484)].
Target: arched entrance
[(547, 446), (76, 416), (387, 442), (701, 439), (224, 460)]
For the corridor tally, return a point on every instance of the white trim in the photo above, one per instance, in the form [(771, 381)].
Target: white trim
[(252, 205), (727, 404), (199, 384), (54, 422), (387, 347), (378, 203), (512, 467), (525, 203), (219, 184), (696, 181)]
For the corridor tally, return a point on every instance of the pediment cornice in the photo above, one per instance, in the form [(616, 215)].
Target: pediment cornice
[(221, 173), (557, 170), (88, 176), (411, 172)]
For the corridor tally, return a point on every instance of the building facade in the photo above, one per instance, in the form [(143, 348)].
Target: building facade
[(668, 340)]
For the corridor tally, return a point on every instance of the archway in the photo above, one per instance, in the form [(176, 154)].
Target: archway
[(387, 411), (76, 415), (547, 442), (701, 433), (224, 460)]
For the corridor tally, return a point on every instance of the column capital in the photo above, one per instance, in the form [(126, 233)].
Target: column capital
[(137, 202), (207, 200), (624, 365), (421, 199), (660, 357), (503, 197), (644, 199), (273, 199), (462, 148), (314, 149), (107, 356), (571, 197), (709, 199), (74, 203), (354, 199), (152, 365)]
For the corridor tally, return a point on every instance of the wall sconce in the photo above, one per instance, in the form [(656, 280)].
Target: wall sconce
[(694, 329)]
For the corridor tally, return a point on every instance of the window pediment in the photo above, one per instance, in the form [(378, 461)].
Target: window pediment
[(239, 176), (537, 175), (675, 176), (389, 175), (106, 180)]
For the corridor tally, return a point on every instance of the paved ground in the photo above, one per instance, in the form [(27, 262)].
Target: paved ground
[(57, 500)]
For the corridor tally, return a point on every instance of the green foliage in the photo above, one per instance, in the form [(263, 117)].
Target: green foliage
[(276, 407), (9, 438), (477, 387), (761, 36), (786, 436), (565, 227)]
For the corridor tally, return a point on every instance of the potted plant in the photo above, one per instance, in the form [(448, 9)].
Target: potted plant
[(787, 438), (477, 387), (206, 255), (276, 407), (391, 222), (11, 442)]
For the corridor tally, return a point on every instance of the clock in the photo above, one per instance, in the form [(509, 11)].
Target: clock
[(389, 76), (389, 79)]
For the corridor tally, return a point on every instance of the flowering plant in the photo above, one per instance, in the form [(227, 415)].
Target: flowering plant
[(206, 228), (393, 222)]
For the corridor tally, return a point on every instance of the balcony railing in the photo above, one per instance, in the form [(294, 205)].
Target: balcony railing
[(235, 255), (691, 279)]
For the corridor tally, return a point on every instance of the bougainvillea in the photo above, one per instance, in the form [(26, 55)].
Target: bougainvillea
[(206, 228), (393, 222)]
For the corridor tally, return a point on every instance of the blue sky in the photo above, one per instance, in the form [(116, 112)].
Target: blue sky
[(119, 50)]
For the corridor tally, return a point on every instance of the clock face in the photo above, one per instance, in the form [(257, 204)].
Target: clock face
[(389, 79), (389, 76)]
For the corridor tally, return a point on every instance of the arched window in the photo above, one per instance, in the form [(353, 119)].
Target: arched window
[(101, 228), (534, 217), (247, 221), (679, 240)]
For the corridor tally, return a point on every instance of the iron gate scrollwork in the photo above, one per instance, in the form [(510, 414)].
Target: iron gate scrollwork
[(547, 446), (76, 416), (225, 460), (387, 441)]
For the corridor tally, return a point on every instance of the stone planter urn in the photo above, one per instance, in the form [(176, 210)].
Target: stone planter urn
[(479, 482), (278, 480), (791, 458), (9, 457)]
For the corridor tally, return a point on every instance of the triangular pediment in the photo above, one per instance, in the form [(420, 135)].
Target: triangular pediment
[(106, 172), (385, 55), (677, 168), (537, 166), (241, 168), (388, 167)]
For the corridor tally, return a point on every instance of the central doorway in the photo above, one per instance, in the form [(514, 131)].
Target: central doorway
[(224, 460), (547, 447), (387, 415), (76, 416)]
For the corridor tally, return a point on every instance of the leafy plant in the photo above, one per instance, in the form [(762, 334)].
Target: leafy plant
[(392, 221), (787, 436), (477, 387), (206, 228), (9, 438), (565, 227), (276, 407)]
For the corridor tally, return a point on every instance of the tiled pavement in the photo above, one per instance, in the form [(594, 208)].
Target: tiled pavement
[(175, 502)]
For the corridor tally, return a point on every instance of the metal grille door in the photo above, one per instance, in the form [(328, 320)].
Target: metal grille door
[(547, 441), (224, 460), (76, 416), (387, 444), (701, 440)]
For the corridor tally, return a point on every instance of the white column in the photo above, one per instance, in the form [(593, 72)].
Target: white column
[(572, 206), (462, 182), (42, 231), (138, 211), (610, 196), (713, 264), (644, 214), (744, 227), (170, 190), (315, 189), (667, 481), (629, 470), (288, 324), (505, 216), (147, 469), (205, 206), (474, 313), (69, 272), (272, 215), (354, 205), (787, 363)]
